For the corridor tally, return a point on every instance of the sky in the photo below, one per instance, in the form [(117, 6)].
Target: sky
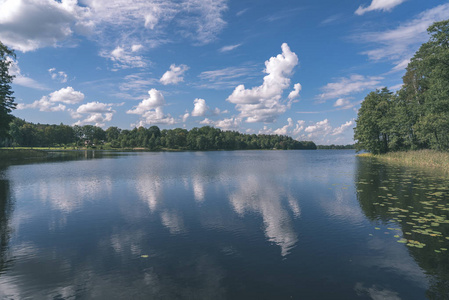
[(293, 67)]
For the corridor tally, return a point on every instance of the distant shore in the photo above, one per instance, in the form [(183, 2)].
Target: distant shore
[(19, 153), (429, 159)]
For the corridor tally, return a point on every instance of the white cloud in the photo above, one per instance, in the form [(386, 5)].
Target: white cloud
[(295, 93), (200, 108), (135, 48), (343, 128), (342, 102), (94, 107), (322, 132), (298, 128), (198, 20), (49, 103), (137, 83), (124, 58), (347, 86), (241, 12), (155, 100), (383, 5), (21, 79), (67, 95), (209, 23), (185, 117), (27, 25), (50, 22), (225, 78), (44, 104), (174, 75), (225, 124), (59, 76), (151, 110), (97, 113), (281, 131), (264, 103), (96, 119), (398, 45), (229, 48)]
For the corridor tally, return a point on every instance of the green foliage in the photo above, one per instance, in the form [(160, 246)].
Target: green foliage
[(206, 138), (417, 117), (373, 128), (6, 99), (335, 147)]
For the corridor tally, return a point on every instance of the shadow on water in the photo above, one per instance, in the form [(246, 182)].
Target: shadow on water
[(415, 206), (27, 157), (6, 208)]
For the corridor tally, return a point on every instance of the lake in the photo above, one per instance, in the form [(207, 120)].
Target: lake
[(319, 224)]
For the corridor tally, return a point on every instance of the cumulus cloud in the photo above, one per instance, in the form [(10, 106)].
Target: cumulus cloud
[(347, 86), (44, 104), (383, 5), (96, 113), (322, 132), (151, 110), (48, 22), (174, 75), (58, 75), (50, 103), (21, 79), (295, 93), (232, 123), (398, 45), (281, 131), (67, 95), (263, 103), (201, 109), (229, 48)]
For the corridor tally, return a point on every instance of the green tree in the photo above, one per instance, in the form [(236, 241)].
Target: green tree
[(430, 67), (6, 99), (373, 125)]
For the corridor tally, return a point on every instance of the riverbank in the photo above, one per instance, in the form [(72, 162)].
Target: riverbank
[(430, 159)]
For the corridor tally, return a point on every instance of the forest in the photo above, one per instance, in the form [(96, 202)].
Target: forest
[(25, 134), (417, 116)]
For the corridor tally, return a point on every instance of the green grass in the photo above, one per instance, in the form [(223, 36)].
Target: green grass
[(429, 159)]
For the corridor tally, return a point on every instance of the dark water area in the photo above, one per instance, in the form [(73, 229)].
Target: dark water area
[(319, 224)]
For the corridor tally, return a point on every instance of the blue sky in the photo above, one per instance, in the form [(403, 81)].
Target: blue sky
[(299, 67)]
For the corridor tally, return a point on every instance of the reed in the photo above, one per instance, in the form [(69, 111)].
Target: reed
[(419, 158)]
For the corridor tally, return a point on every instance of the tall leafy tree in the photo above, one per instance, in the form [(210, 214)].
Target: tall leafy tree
[(373, 129), (6, 99), (418, 116)]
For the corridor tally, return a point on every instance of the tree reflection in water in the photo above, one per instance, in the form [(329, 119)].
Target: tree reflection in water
[(415, 202), (6, 208)]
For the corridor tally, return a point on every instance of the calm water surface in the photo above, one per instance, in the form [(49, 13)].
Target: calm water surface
[(222, 225)]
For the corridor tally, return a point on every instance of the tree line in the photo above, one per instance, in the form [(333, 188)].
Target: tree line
[(336, 147), (22, 133), (417, 116)]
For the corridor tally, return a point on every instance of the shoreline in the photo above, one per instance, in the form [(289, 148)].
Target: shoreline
[(427, 159)]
